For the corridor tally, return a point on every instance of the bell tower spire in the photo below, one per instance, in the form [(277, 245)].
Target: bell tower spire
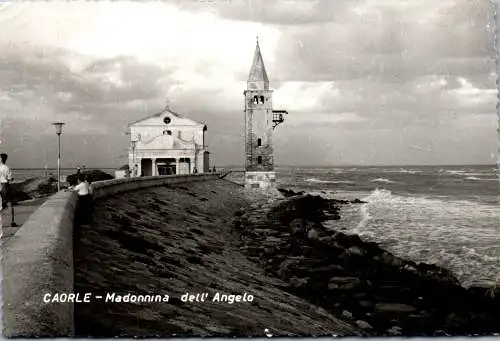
[(257, 78)]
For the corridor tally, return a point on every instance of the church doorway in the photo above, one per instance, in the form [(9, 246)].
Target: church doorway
[(166, 167), (146, 167)]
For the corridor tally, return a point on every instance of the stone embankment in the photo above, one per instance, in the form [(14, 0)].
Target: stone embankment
[(357, 280), (176, 239)]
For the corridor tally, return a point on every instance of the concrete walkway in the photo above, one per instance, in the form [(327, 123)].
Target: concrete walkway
[(22, 211)]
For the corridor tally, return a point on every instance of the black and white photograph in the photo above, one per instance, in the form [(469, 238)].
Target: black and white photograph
[(249, 168)]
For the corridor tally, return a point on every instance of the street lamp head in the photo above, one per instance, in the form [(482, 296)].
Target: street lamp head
[(58, 126)]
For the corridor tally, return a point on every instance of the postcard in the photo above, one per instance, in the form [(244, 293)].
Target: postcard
[(249, 168)]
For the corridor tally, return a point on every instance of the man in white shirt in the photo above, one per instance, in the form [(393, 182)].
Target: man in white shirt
[(84, 208), (5, 179), (82, 188)]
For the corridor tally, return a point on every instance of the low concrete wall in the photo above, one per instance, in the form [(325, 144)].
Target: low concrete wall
[(38, 259), (104, 188)]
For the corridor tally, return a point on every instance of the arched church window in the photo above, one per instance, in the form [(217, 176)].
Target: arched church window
[(261, 99), (259, 142), (255, 99), (259, 159)]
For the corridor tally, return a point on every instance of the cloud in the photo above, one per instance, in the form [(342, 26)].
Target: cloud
[(363, 81)]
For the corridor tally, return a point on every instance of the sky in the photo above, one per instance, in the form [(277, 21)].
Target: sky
[(365, 82)]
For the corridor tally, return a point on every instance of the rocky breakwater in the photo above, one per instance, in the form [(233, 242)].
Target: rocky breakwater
[(357, 280), (41, 187), (32, 188), (92, 175)]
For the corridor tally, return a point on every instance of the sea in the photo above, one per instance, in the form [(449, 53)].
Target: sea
[(21, 174), (443, 215)]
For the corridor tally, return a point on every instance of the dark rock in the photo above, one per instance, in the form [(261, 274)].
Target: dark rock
[(366, 304), (344, 283), (289, 193), (32, 188), (297, 226), (392, 296), (440, 333), (17, 194), (91, 175), (312, 234), (355, 251), (357, 201), (329, 269), (343, 280), (363, 325), (272, 241), (394, 331), (347, 315), (347, 240), (298, 282), (396, 308)]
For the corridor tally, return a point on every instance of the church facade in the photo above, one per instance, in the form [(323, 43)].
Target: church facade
[(167, 143), (260, 121)]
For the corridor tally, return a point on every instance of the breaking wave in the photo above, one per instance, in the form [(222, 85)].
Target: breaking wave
[(383, 180), (458, 235), (475, 178), (329, 181)]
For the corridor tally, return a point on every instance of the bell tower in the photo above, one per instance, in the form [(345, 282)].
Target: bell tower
[(260, 121)]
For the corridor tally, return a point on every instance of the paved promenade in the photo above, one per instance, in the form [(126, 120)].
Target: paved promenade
[(22, 212)]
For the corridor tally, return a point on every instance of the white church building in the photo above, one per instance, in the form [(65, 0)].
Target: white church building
[(167, 143)]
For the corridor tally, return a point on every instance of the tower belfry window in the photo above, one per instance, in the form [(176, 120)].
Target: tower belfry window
[(261, 99), (259, 160), (259, 142), (255, 100)]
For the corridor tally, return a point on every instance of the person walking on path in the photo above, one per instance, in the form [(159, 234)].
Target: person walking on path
[(5, 180), (84, 208)]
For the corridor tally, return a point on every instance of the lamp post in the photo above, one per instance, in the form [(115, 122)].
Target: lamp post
[(58, 126)]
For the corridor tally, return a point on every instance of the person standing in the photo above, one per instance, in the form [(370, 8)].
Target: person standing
[(5, 180), (84, 209)]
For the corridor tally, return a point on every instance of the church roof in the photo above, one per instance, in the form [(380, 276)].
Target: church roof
[(164, 111), (258, 70)]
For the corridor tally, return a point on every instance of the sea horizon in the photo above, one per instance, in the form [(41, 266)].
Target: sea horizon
[(240, 167)]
